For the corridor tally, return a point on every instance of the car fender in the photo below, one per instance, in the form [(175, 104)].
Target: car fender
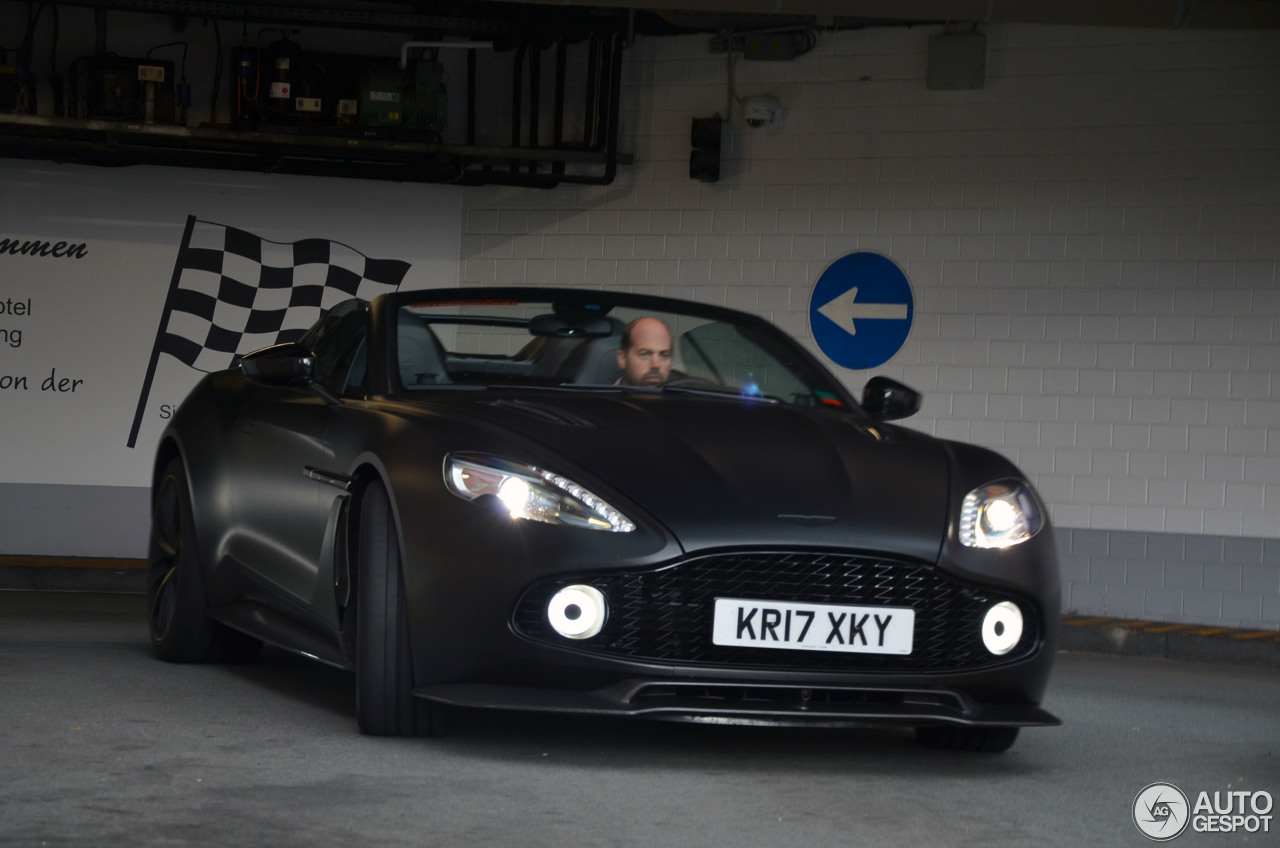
[(195, 434)]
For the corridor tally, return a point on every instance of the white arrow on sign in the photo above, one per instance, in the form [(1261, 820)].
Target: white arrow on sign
[(844, 310)]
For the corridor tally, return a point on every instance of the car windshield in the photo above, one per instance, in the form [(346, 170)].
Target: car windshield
[(531, 340)]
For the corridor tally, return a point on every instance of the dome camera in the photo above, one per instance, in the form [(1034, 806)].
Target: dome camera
[(760, 112)]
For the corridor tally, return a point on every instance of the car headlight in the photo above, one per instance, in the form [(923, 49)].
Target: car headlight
[(999, 515), (531, 493)]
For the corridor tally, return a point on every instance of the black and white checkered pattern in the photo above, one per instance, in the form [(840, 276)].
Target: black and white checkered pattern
[(235, 292)]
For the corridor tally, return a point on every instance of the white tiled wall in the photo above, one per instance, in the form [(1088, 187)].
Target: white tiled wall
[(1092, 240)]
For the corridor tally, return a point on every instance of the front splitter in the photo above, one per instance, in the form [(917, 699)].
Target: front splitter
[(769, 705)]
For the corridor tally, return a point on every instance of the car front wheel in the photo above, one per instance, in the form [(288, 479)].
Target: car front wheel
[(385, 705), (181, 630)]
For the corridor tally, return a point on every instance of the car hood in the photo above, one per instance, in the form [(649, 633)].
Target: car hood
[(726, 472)]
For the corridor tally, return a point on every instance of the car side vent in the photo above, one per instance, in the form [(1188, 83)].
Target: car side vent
[(543, 412), (874, 432)]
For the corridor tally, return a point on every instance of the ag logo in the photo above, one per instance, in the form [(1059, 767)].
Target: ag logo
[(1161, 812)]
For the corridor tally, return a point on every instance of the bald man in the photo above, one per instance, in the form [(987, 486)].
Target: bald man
[(645, 355)]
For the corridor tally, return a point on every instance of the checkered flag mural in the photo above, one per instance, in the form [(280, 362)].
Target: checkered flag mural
[(233, 292)]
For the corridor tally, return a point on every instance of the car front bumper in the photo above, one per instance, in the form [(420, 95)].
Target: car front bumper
[(775, 704)]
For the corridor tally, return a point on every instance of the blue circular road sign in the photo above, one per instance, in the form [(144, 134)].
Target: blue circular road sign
[(861, 310)]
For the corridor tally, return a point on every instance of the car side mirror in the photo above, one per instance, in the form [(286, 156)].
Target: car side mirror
[(279, 366), (888, 400)]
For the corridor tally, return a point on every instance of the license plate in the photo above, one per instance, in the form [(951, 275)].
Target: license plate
[(813, 627)]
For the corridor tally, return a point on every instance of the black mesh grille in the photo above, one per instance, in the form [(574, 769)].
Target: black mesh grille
[(665, 615)]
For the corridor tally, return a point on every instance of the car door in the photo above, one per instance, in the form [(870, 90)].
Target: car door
[(287, 492)]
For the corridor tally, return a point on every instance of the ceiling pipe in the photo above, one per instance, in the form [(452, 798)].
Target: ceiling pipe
[(1155, 14)]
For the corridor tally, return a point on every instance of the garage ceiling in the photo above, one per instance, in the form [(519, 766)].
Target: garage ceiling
[(520, 19), (574, 142), (703, 15), (473, 17)]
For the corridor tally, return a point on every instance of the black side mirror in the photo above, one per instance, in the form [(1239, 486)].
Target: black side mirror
[(888, 400), (279, 366)]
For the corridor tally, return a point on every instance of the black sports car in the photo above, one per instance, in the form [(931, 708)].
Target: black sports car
[(595, 502)]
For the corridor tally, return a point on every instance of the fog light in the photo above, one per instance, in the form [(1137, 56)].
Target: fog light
[(577, 612), (1002, 628)]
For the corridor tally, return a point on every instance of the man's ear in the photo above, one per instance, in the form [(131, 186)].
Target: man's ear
[(622, 359)]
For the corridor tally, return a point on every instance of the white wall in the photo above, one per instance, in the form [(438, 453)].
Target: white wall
[(70, 482), (1092, 241)]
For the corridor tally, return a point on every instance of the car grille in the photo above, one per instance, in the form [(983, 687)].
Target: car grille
[(665, 614)]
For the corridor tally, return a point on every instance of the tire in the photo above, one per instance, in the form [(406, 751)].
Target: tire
[(181, 630), (385, 705), (991, 740)]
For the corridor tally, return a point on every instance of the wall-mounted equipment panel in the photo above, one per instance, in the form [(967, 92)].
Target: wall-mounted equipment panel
[(341, 89)]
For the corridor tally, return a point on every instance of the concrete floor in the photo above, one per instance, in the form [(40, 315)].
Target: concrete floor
[(101, 745)]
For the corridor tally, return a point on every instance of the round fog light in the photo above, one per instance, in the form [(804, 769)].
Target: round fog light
[(577, 612), (1002, 627)]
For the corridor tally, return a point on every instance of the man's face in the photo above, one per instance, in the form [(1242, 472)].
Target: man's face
[(648, 361)]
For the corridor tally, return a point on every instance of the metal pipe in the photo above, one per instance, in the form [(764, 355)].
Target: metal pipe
[(535, 100), (592, 90), (1189, 14), (615, 116), (517, 102), (557, 129), (609, 56), (471, 98)]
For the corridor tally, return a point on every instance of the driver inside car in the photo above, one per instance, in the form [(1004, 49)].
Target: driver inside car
[(645, 354)]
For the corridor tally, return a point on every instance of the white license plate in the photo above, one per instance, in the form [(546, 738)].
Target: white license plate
[(813, 627)]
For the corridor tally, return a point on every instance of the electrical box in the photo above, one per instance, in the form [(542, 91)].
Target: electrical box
[(381, 101), (128, 89), (284, 86)]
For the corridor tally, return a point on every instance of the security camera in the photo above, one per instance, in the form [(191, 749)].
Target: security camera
[(761, 112)]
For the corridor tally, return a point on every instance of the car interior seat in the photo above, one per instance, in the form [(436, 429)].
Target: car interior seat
[(595, 361), (420, 354)]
